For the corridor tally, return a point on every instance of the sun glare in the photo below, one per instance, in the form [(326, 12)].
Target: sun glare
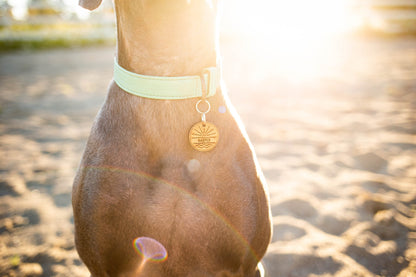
[(288, 18), (298, 31)]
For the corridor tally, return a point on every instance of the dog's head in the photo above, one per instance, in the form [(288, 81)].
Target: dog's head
[(90, 4)]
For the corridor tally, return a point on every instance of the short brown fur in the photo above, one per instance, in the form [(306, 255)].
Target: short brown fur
[(140, 177)]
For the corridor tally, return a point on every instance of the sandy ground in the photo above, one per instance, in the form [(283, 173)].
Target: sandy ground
[(335, 134)]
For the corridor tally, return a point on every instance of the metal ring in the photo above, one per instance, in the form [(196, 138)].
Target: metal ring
[(197, 104)]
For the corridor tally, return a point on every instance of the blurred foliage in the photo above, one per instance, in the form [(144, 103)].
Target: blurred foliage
[(38, 36), (54, 23)]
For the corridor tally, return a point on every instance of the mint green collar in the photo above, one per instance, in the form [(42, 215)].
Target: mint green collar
[(166, 87)]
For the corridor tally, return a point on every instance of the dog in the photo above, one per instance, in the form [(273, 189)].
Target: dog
[(140, 176)]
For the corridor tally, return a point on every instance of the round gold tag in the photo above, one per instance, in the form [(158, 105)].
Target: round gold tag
[(203, 136)]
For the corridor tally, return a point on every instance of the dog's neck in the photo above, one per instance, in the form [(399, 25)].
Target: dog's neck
[(160, 39)]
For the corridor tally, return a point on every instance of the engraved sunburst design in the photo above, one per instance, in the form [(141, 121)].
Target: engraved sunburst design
[(203, 136)]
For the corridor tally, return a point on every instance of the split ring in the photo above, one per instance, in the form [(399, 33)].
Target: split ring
[(199, 102)]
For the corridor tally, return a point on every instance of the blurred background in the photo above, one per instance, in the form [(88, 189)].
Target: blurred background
[(47, 23), (327, 92)]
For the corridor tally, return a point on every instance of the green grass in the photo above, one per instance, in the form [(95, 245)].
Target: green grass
[(33, 44), (28, 37)]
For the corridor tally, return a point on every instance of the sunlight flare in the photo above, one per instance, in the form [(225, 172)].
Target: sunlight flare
[(300, 36)]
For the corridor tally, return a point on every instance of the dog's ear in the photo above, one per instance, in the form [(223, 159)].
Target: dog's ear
[(90, 4)]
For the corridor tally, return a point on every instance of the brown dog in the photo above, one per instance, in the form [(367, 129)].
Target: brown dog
[(139, 176)]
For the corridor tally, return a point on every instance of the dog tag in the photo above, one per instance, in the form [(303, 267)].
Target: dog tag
[(203, 136)]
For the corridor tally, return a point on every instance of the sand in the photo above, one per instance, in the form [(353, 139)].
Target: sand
[(335, 135)]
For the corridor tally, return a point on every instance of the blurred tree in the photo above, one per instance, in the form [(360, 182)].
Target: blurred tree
[(44, 7)]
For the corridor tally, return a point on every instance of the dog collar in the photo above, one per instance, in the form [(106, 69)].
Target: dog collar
[(156, 87)]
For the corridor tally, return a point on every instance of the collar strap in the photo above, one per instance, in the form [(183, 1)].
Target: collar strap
[(166, 87)]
